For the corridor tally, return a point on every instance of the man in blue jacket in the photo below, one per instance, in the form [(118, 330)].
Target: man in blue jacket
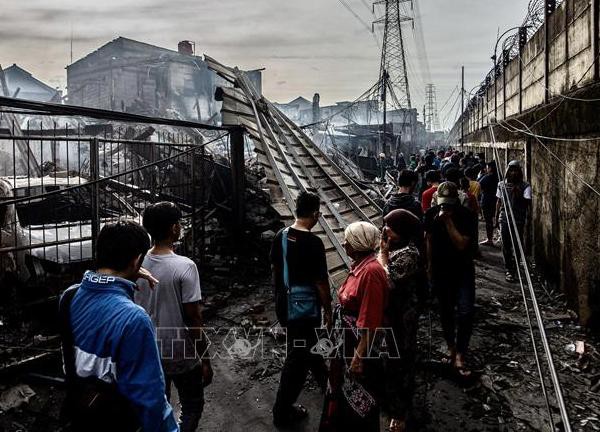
[(112, 365)]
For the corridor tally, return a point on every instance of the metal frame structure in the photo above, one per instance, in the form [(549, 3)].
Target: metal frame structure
[(50, 222)]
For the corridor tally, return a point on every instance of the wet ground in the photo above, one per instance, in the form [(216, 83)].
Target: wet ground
[(503, 395)]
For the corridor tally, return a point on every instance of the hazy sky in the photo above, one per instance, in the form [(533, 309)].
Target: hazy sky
[(306, 46)]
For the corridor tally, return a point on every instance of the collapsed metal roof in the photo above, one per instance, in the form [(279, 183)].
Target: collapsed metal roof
[(293, 163)]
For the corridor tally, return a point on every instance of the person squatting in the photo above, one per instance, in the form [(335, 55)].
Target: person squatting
[(120, 323)]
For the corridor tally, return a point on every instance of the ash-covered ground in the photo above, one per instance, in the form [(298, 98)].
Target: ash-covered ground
[(504, 393)]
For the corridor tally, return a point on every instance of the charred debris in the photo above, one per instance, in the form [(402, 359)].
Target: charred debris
[(142, 124)]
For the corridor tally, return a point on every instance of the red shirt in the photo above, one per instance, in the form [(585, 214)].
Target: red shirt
[(427, 197), (365, 293)]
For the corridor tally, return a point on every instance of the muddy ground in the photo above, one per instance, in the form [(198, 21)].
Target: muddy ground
[(503, 395)]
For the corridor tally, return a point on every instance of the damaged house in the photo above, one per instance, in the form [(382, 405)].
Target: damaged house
[(136, 77), (23, 85)]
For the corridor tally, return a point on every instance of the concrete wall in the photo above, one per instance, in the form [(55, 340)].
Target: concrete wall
[(564, 238), (522, 82), (566, 214), (565, 233)]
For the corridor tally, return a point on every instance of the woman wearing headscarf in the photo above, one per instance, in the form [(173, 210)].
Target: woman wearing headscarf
[(400, 256), (351, 399)]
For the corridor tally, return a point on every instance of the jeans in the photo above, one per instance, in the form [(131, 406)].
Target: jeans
[(507, 245), (301, 337), (456, 294), (191, 397)]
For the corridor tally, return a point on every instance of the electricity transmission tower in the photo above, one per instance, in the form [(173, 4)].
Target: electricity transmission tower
[(393, 72), (432, 120)]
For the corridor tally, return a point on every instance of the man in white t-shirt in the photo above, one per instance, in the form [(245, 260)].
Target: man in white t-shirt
[(518, 193), (175, 309)]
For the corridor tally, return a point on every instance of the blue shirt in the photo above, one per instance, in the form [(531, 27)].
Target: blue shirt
[(114, 341)]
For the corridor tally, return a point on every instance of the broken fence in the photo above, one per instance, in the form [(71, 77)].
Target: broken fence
[(59, 186)]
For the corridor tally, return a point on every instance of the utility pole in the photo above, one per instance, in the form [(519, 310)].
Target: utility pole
[(384, 100), (462, 108)]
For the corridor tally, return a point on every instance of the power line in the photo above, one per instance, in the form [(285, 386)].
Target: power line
[(530, 133), (361, 98), (357, 16), (448, 100), (512, 235), (363, 22), (567, 167), (420, 41)]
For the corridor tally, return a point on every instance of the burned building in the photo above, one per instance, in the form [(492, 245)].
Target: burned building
[(300, 110), (23, 85), (132, 76)]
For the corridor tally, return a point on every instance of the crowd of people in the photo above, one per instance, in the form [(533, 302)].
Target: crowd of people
[(424, 254), (128, 326)]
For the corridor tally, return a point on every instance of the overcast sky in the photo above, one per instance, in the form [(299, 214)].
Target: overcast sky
[(306, 46)]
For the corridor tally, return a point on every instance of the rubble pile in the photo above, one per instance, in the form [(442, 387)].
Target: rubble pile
[(230, 263)]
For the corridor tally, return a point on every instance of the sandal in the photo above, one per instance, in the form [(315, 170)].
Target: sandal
[(509, 277)]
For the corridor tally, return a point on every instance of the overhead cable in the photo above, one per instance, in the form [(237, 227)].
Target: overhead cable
[(566, 166), (357, 16), (359, 99), (540, 322), (504, 197)]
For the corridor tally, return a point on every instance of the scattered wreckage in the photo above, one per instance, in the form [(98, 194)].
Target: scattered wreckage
[(48, 233)]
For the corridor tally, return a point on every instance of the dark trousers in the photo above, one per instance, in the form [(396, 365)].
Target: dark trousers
[(301, 337), (489, 212), (456, 293), (191, 397), (507, 245)]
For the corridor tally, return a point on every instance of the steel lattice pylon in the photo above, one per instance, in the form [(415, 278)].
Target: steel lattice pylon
[(393, 71), (432, 121)]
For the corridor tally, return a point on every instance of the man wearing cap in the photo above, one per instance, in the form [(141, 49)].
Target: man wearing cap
[(451, 236), (516, 192)]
